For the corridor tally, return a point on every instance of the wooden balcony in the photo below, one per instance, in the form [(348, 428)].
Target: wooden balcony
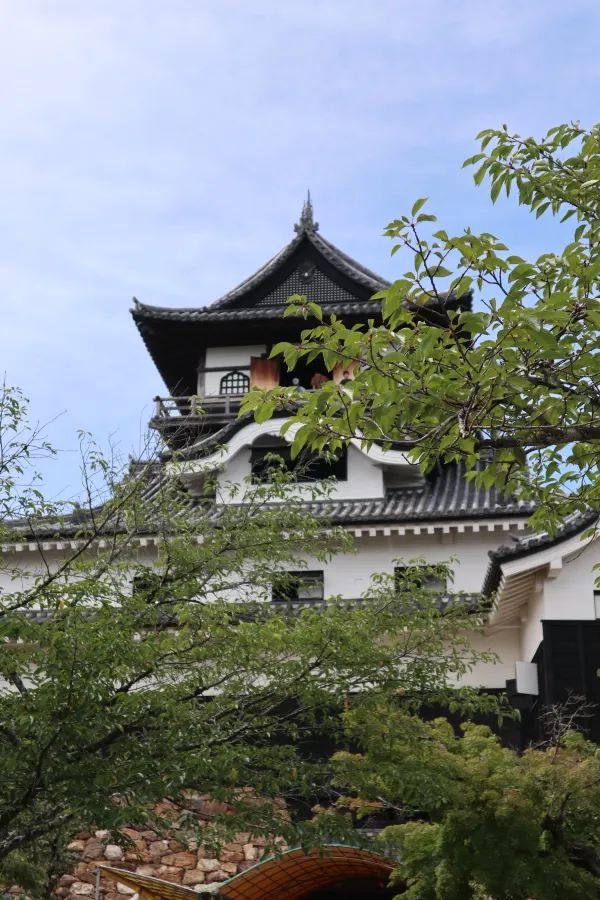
[(195, 407), (181, 420)]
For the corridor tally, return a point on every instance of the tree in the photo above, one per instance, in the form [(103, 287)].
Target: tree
[(477, 819), (128, 675), (511, 387)]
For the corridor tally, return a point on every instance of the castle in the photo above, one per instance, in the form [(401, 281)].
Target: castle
[(545, 624)]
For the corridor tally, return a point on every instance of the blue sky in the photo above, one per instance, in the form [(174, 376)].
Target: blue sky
[(163, 150)]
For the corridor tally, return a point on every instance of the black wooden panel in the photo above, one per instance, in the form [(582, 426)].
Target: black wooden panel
[(571, 662)]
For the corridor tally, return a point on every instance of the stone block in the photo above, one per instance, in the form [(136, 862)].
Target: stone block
[(113, 852), (183, 860), (169, 873), (208, 865), (146, 870), (82, 889), (93, 849), (245, 864), (158, 848), (148, 836), (76, 846), (218, 875), (193, 876), (229, 867), (232, 856), (132, 833)]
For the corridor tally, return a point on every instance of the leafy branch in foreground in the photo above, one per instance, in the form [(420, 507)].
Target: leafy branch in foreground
[(511, 387), (477, 819), (128, 674)]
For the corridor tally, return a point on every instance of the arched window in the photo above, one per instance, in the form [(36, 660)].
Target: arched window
[(234, 383)]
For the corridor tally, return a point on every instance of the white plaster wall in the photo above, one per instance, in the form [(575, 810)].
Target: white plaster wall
[(505, 644), (349, 575), (531, 633), (21, 570), (365, 480), (571, 594), (231, 357), (564, 591), (235, 472)]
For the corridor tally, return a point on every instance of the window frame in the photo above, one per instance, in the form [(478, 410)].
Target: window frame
[(304, 578), (238, 377)]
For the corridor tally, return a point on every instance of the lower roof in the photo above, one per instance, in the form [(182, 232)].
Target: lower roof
[(532, 543), (445, 495)]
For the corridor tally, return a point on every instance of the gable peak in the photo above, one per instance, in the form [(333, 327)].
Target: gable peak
[(307, 222)]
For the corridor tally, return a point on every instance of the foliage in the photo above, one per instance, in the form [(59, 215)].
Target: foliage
[(480, 820), (511, 387), (128, 675)]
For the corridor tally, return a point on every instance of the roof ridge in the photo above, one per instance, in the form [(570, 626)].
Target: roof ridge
[(306, 230), (261, 273), (327, 247)]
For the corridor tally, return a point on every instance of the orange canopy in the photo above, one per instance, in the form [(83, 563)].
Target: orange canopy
[(296, 873), (291, 876)]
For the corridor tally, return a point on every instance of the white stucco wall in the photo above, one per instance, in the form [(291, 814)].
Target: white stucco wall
[(571, 594), (229, 357), (560, 580), (365, 480), (530, 627), (350, 575), (504, 642)]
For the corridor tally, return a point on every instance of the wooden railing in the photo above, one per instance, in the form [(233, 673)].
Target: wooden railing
[(223, 406)]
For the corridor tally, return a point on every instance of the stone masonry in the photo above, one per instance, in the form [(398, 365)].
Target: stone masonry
[(142, 850)]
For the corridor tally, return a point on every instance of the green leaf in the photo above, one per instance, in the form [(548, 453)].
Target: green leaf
[(417, 205)]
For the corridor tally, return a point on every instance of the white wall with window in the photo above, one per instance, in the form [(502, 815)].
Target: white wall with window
[(364, 480), (219, 361)]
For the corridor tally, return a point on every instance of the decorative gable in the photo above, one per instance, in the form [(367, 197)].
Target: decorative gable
[(307, 280)]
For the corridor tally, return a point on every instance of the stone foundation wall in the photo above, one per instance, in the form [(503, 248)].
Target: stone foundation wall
[(146, 852)]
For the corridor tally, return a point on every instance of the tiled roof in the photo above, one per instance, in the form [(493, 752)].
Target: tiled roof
[(446, 495), (214, 314), (532, 543), (306, 231), (308, 265), (241, 302)]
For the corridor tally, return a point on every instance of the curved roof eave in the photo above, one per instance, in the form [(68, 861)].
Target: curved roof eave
[(143, 311), (341, 261), (532, 544)]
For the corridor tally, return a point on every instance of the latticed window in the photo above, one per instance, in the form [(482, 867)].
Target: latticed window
[(234, 383), (298, 587)]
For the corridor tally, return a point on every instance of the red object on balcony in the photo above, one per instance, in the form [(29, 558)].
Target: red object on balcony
[(264, 373)]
